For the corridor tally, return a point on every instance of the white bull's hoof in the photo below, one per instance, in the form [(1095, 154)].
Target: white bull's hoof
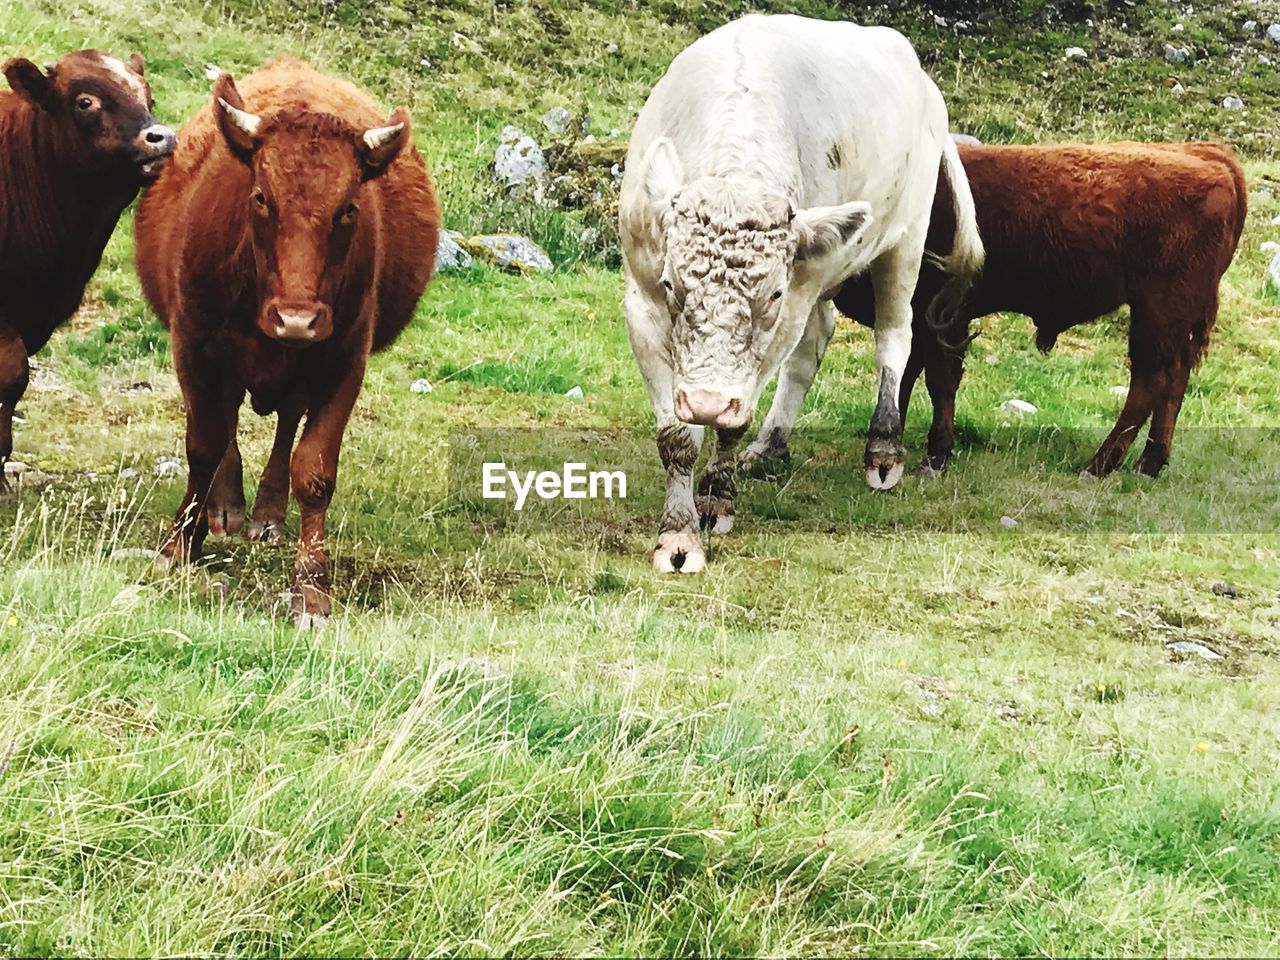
[(679, 551), (715, 514), (885, 477), (886, 461)]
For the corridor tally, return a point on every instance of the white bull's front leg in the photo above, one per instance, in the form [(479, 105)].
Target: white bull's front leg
[(771, 449), (893, 275), (679, 546)]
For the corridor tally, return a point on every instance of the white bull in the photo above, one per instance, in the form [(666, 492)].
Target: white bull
[(776, 157)]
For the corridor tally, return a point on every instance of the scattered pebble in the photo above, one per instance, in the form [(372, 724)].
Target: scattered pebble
[(132, 553), (1008, 522), (1177, 28), (1275, 221), (510, 252), (611, 48), (420, 386), (128, 473), (1273, 33), (1174, 54), (1178, 90), (449, 254), (1250, 26), (212, 71), (1224, 589), (1075, 53), (574, 392), (966, 139), (1232, 103), (169, 467), (991, 359), (1119, 391), (556, 120), (15, 468), (1190, 646), (1018, 406), (1274, 268), (518, 160)]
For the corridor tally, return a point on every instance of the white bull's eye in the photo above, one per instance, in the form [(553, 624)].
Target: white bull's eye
[(777, 295)]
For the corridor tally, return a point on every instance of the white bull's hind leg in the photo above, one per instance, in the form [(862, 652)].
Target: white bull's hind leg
[(771, 448), (894, 275), (679, 547)]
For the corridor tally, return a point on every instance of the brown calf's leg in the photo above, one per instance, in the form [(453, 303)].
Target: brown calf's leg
[(943, 372), (272, 500), (314, 475), (719, 484), (1163, 420), (207, 439), (14, 375), (226, 495)]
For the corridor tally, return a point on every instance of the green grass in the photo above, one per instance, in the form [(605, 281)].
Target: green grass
[(880, 724)]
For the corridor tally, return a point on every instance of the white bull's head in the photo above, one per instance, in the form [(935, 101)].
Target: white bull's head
[(732, 252)]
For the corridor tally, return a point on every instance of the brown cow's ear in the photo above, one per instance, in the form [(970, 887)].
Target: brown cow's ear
[(239, 127), (380, 145), (29, 83), (137, 64)]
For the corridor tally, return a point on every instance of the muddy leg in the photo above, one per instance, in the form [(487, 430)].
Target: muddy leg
[(719, 484), (942, 379), (207, 440), (14, 375), (272, 501), (770, 453), (226, 495)]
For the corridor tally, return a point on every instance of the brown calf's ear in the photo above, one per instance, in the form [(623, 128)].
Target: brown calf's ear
[(380, 145), (28, 82), (137, 64), (239, 127)]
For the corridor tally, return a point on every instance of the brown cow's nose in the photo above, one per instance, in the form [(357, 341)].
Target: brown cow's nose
[(158, 140), (296, 324), (709, 408)]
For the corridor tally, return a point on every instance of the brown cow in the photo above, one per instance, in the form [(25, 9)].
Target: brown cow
[(1073, 233), (293, 234), (77, 142)]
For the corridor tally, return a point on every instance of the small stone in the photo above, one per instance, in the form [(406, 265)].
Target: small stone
[(15, 468), (420, 386), (574, 393), (1273, 33), (128, 473), (1119, 391), (991, 359), (169, 467), (1224, 589), (1075, 53), (424, 63), (1190, 646), (1274, 269), (1275, 221), (449, 255), (615, 171), (510, 252), (1018, 406), (1250, 26), (1177, 28), (1008, 522), (1270, 246), (1232, 103), (611, 48), (556, 120), (1174, 54), (518, 160), (132, 553), (966, 139), (1177, 89)]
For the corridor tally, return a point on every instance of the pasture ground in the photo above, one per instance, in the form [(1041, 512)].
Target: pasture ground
[(882, 724)]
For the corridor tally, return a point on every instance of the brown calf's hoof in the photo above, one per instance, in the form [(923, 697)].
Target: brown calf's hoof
[(715, 514), (679, 551), (225, 520), (260, 531), (310, 607)]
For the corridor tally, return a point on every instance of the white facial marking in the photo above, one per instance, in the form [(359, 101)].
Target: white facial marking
[(126, 76)]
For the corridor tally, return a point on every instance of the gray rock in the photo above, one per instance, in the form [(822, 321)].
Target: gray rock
[(1224, 589), (1273, 33), (1008, 522), (1075, 53), (574, 393), (128, 473), (1177, 90), (1250, 27), (510, 252), (420, 385), (1274, 269), (1232, 103), (966, 139), (557, 120), (15, 468), (1190, 646), (169, 467), (1174, 54), (450, 256), (611, 48), (1018, 406), (518, 161)]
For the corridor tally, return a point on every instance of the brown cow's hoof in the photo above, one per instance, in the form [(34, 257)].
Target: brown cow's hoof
[(261, 531), (715, 514), (679, 551), (310, 607), (226, 520)]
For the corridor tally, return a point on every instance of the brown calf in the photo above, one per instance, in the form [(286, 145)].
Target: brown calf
[(1073, 233), (77, 142), (293, 234)]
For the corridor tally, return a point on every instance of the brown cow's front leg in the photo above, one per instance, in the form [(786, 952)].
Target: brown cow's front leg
[(207, 439), (943, 372), (14, 375), (314, 475), (226, 494), (719, 484), (272, 501)]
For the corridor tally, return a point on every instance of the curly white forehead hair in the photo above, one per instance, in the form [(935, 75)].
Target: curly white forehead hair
[(720, 226)]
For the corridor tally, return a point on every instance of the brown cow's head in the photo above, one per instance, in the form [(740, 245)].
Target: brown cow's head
[(103, 108), (309, 172)]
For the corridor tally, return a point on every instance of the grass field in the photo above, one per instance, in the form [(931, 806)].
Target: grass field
[(881, 724)]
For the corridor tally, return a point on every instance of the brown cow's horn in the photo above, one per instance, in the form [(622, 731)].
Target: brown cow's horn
[(248, 123), (379, 137)]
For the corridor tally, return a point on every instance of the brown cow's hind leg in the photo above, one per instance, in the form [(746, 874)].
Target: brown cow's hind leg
[(272, 500), (943, 372), (1147, 381), (226, 495), (14, 373)]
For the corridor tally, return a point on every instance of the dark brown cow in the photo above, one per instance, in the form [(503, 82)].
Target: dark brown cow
[(293, 234), (77, 142), (1073, 233)]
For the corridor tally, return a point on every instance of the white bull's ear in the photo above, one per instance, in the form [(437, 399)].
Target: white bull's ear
[(822, 230), (663, 173)]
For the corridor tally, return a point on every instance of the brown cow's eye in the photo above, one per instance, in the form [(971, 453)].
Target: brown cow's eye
[(260, 199), (349, 212), (85, 103)]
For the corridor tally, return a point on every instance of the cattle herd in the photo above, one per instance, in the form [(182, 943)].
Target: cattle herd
[(781, 168)]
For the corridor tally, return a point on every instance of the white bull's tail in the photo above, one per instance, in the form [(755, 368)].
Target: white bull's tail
[(962, 265)]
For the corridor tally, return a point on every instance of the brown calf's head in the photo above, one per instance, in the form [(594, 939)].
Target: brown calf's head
[(102, 108), (309, 172)]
